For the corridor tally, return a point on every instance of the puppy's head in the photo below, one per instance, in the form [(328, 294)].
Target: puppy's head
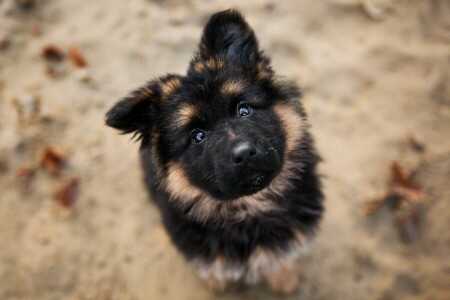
[(226, 127)]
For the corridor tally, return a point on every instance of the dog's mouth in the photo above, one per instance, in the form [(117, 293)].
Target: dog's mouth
[(257, 183), (258, 180), (252, 188), (245, 186)]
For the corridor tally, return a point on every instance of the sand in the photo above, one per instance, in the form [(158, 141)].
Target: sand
[(368, 76)]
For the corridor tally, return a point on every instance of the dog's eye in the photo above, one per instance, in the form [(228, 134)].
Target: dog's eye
[(244, 110), (198, 136)]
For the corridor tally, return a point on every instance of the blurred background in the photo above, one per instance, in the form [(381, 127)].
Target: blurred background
[(75, 220)]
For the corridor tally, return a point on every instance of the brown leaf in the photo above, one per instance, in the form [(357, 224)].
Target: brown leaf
[(67, 195), (372, 206), (412, 195), (52, 53), (407, 223), (407, 195), (51, 71), (400, 177), (35, 31), (4, 43), (26, 4), (77, 58), (25, 173), (269, 4), (52, 160)]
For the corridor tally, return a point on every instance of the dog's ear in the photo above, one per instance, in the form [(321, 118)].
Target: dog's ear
[(140, 111), (227, 36)]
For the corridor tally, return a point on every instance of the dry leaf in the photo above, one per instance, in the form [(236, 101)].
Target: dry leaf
[(51, 71), (403, 186), (67, 195), (400, 177), (407, 223), (52, 160), (26, 4), (372, 206), (35, 31), (25, 173), (77, 58), (269, 4), (52, 53), (409, 196), (412, 195), (4, 43)]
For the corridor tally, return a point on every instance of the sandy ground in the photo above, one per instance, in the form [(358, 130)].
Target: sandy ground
[(368, 78)]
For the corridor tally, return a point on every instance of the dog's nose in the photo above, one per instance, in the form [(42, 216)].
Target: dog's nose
[(243, 152)]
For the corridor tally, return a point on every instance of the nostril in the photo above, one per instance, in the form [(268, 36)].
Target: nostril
[(237, 157), (242, 153)]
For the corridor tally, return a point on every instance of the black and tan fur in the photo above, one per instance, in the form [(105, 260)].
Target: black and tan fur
[(228, 159)]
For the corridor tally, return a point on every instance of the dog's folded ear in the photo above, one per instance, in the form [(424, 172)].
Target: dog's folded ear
[(140, 111), (227, 36)]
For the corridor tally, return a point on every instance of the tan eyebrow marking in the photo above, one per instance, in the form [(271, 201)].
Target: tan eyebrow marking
[(184, 115), (232, 87)]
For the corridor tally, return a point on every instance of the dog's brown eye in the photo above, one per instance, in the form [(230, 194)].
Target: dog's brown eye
[(244, 110), (198, 136)]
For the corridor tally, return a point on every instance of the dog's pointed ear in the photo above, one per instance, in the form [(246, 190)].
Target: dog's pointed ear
[(227, 36), (140, 111)]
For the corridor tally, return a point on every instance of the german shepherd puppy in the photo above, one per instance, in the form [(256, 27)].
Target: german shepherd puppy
[(228, 159)]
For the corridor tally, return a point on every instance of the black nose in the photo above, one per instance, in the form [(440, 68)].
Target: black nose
[(243, 152)]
